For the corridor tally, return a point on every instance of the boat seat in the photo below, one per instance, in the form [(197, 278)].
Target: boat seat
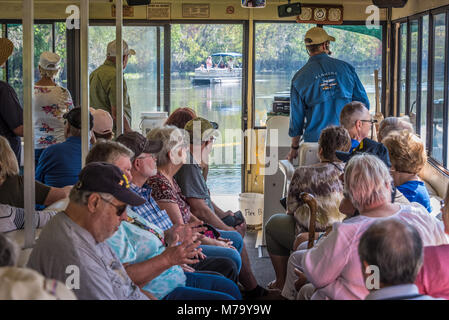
[(436, 185), (287, 170), (59, 205), (308, 153), (18, 236)]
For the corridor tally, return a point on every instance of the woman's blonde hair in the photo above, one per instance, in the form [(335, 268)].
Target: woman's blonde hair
[(367, 181), (407, 152), (8, 160)]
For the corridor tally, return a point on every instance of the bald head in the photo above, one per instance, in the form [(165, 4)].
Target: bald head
[(395, 247)]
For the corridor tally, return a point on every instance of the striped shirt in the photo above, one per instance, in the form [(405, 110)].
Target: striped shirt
[(150, 210)]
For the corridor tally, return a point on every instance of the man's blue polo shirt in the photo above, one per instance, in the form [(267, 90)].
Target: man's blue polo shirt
[(319, 91), (60, 164)]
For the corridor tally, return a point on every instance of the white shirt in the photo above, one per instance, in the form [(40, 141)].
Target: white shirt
[(50, 104)]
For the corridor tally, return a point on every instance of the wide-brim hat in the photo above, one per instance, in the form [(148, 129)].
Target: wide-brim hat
[(6, 49)]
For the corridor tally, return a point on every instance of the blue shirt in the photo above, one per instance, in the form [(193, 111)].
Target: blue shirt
[(150, 211), (319, 91), (60, 164), (133, 244), (354, 144), (415, 191)]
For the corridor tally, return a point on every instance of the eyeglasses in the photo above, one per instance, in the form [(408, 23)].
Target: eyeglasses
[(119, 209), (373, 121)]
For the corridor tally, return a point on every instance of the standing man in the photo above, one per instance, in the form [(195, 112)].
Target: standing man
[(102, 82), (11, 112), (319, 91)]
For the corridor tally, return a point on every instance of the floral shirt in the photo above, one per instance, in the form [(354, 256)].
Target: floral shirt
[(163, 190), (50, 104)]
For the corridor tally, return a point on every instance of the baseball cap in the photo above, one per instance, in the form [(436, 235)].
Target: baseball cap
[(317, 35), (49, 60), (367, 146), (207, 128), (27, 284), (111, 50), (74, 118), (103, 122), (107, 178), (6, 49), (138, 143)]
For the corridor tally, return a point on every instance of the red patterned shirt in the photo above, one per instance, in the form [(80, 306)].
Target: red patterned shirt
[(163, 190)]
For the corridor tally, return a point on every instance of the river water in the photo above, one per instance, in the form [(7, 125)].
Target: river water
[(222, 103)]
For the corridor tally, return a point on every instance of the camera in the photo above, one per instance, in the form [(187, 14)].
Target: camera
[(289, 10)]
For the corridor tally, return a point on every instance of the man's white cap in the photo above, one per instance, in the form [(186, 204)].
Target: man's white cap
[(103, 122), (317, 35), (49, 60), (112, 49)]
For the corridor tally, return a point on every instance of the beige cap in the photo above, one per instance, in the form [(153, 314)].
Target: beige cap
[(317, 35), (112, 48), (103, 122), (27, 284), (49, 60), (6, 49)]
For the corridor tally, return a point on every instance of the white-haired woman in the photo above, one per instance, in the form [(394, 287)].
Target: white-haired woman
[(333, 267), (51, 102), (168, 195)]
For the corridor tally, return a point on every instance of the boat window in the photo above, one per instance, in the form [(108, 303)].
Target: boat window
[(402, 73), (413, 70), (424, 71), (439, 25), (141, 71), (213, 88)]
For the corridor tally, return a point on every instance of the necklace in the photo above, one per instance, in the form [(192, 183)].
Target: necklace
[(144, 227)]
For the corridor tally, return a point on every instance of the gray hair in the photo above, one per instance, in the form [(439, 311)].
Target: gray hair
[(171, 137), (395, 247), (81, 197), (48, 73), (391, 124), (366, 181), (108, 151), (9, 252), (350, 113)]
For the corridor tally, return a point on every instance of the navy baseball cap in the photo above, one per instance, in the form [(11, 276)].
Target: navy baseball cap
[(108, 178), (138, 143), (74, 118), (367, 146)]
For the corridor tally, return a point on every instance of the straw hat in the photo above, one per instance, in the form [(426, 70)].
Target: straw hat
[(6, 48)]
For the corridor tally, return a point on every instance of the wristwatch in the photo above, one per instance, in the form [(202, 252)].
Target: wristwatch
[(294, 148)]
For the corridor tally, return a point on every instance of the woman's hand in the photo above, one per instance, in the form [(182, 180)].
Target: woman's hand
[(302, 280)]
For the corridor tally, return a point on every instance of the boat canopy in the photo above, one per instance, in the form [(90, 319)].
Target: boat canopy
[(224, 54)]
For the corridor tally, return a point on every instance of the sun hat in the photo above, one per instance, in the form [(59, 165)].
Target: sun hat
[(49, 60)]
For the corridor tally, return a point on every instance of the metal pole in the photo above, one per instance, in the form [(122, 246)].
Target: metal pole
[(28, 130), (84, 53), (119, 65)]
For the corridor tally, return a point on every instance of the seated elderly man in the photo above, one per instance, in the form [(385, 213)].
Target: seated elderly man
[(116, 153), (23, 283), (60, 164), (76, 237), (333, 267), (193, 186), (395, 249)]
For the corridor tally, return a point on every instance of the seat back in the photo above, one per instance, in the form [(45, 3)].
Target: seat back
[(308, 153), (287, 170)]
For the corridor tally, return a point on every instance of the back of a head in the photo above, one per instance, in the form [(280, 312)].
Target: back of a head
[(8, 160), (334, 138), (350, 113), (407, 151), (366, 180), (391, 124), (9, 252), (395, 247), (180, 117), (107, 151)]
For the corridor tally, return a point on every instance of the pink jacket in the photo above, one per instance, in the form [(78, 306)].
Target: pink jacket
[(433, 278), (333, 266)]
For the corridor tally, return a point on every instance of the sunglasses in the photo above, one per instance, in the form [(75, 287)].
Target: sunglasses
[(119, 209)]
